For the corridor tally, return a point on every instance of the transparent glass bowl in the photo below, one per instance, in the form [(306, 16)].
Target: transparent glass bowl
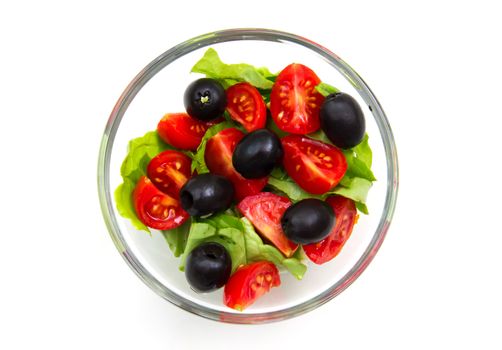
[(158, 89)]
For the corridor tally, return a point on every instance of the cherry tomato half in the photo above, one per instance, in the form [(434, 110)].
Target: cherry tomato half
[(328, 248), (315, 166), (249, 283), (294, 101), (265, 211), (182, 131), (218, 157), (156, 209), (169, 171), (246, 106)]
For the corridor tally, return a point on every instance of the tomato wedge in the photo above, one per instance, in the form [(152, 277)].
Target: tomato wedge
[(246, 106), (265, 211), (218, 157), (169, 171), (315, 166), (249, 283), (346, 216), (294, 101), (156, 209), (182, 131)]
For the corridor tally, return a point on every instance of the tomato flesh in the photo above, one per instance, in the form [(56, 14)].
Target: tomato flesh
[(346, 216), (315, 166), (182, 131), (246, 106), (294, 101), (265, 211), (249, 283), (169, 171), (218, 157), (156, 209)]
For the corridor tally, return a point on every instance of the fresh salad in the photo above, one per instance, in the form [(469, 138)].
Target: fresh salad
[(260, 173)]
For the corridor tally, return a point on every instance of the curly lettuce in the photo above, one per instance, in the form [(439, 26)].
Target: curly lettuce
[(139, 153)]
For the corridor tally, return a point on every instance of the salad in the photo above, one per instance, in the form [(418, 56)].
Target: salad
[(261, 173)]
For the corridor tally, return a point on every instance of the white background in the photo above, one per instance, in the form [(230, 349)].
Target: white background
[(436, 69)]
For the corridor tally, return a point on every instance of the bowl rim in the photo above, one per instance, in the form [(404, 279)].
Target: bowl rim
[(257, 34)]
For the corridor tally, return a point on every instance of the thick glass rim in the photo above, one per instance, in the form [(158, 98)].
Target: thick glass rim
[(182, 49)]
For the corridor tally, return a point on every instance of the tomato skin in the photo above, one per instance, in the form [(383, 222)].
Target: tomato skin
[(315, 166), (246, 106), (249, 283), (169, 171), (156, 209), (265, 211), (218, 157), (182, 131), (346, 216), (294, 101)]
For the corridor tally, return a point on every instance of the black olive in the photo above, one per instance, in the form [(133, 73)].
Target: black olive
[(257, 154), (342, 120), (205, 99), (208, 267), (206, 194), (308, 221)]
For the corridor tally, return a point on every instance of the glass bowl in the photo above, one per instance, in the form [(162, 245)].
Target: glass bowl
[(159, 88)]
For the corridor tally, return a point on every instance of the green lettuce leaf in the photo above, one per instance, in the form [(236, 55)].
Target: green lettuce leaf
[(125, 206), (231, 238), (290, 188), (198, 162), (224, 220), (355, 188), (363, 151), (229, 74), (359, 160), (264, 71), (357, 168), (242, 242), (362, 208), (319, 135), (256, 250), (326, 89), (177, 238), (139, 153), (299, 254), (279, 173)]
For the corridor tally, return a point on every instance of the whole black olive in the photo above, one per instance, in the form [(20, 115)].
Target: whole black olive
[(208, 267), (257, 154), (206, 194), (308, 221), (342, 120), (205, 99)]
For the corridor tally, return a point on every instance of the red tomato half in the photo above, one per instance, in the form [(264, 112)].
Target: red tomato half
[(314, 165), (294, 101), (182, 131), (249, 283), (218, 157), (169, 171), (265, 211), (246, 106), (328, 248), (156, 209)]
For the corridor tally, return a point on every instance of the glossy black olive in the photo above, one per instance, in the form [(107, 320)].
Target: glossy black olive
[(308, 221), (257, 154), (208, 267), (205, 99), (206, 194), (342, 120)]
